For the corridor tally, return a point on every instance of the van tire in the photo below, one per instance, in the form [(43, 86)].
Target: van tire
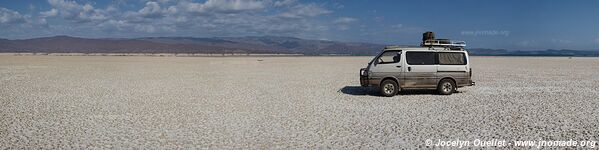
[(446, 87), (388, 88)]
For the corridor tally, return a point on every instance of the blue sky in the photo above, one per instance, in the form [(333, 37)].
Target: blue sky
[(517, 24)]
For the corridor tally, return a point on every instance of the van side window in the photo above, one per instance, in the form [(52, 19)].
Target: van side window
[(452, 59), (420, 58), (389, 57)]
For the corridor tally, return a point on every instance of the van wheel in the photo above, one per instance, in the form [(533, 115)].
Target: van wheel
[(389, 88), (446, 87)]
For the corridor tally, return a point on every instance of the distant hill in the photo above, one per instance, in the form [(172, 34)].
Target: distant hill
[(264, 44), (550, 52), (225, 45)]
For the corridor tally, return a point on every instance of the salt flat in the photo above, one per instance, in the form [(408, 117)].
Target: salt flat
[(283, 102)]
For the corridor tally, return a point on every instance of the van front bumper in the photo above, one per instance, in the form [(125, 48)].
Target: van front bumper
[(364, 77), (364, 81)]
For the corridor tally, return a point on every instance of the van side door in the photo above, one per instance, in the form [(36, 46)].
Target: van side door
[(421, 70), (386, 65)]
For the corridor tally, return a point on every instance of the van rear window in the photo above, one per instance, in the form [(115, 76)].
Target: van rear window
[(452, 59), (420, 58)]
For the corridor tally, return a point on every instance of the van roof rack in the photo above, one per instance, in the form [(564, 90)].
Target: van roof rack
[(429, 41), (443, 43), (451, 48), (401, 46)]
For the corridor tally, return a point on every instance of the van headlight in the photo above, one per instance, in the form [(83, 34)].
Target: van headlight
[(363, 72)]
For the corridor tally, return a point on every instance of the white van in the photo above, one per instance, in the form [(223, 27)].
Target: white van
[(397, 68)]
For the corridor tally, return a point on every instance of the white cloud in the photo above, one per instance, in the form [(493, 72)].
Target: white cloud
[(561, 41), (51, 13), (404, 29), (65, 5), (66, 8), (164, 1), (71, 10), (379, 18), (345, 20), (397, 26), (145, 28), (88, 8), (283, 3), (344, 23), (151, 10), (8, 16), (234, 5), (172, 10), (189, 18), (225, 6), (338, 5), (527, 43), (307, 10)]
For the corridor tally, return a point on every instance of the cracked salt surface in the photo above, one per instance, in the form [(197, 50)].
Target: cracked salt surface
[(282, 102)]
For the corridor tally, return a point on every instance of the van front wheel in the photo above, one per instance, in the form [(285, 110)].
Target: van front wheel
[(389, 88), (446, 87)]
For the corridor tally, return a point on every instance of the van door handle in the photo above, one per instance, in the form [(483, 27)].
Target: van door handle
[(398, 66), (409, 68)]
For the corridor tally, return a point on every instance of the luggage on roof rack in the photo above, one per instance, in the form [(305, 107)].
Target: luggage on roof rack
[(428, 40), (428, 36)]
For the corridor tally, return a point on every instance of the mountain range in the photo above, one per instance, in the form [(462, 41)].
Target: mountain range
[(259, 45), (222, 45)]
